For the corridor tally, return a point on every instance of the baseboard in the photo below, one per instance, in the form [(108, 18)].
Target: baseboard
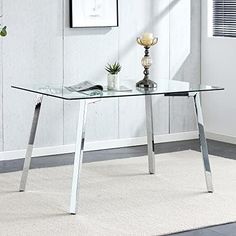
[(98, 145), (221, 137)]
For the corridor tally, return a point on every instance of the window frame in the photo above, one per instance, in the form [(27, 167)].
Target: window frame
[(210, 18)]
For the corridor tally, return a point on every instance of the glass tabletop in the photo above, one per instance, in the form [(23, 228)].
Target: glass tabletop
[(164, 87)]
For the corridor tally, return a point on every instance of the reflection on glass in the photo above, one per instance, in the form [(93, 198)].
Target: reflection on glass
[(163, 87)]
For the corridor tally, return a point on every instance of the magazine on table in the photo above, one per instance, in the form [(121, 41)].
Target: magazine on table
[(84, 86), (91, 88)]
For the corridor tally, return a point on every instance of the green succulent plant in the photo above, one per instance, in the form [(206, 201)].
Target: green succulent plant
[(113, 68), (3, 31)]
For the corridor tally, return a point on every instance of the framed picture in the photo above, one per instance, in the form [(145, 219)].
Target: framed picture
[(94, 13)]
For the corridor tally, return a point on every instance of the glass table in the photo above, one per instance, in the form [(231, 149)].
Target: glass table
[(164, 87)]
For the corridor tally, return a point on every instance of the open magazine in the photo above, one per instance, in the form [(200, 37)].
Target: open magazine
[(84, 86), (90, 88)]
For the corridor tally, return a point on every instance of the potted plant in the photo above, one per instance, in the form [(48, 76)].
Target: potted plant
[(113, 70)]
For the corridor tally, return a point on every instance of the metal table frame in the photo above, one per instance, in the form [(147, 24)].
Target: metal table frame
[(81, 139)]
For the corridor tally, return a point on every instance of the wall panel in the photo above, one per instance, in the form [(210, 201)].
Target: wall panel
[(86, 52), (161, 62), (32, 54), (184, 59), (131, 110)]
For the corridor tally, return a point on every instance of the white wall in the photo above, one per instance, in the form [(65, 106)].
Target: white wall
[(40, 47), (219, 68)]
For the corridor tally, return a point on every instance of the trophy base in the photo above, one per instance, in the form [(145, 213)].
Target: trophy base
[(146, 83)]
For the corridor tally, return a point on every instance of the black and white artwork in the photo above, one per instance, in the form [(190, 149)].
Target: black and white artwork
[(94, 13)]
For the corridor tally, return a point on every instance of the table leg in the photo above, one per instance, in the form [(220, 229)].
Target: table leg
[(29, 150), (78, 156), (203, 143), (150, 134)]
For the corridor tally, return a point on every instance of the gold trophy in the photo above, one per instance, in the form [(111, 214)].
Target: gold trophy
[(146, 40)]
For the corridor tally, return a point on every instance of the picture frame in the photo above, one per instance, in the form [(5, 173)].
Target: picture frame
[(94, 13)]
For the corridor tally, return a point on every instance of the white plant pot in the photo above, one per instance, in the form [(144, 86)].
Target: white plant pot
[(113, 82)]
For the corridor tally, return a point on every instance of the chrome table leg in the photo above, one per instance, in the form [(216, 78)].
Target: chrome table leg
[(78, 156), (29, 150), (150, 134), (203, 143)]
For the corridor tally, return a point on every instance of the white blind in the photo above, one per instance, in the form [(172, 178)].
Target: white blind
[(224, 18)]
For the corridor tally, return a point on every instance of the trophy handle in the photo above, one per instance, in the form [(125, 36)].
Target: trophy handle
[(139, 41), (155, 40)]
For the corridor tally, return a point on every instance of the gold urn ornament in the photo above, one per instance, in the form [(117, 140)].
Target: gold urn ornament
[(147, 40)]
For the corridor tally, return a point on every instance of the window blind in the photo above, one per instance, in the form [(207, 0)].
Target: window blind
[(224, 18)]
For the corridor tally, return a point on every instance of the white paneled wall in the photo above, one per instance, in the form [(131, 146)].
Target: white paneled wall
[(160, 19), (32, 53), (41, 47), (185, 56), (131, 111)]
